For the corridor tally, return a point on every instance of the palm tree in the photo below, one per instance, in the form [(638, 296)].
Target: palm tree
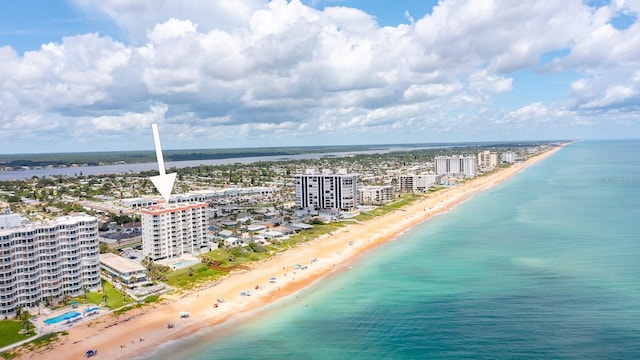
[(24, 317), (104, 293)]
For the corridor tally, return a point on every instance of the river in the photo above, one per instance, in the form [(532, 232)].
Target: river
[(138, 167)]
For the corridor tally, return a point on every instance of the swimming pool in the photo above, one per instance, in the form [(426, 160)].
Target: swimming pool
[(183, 263), (66, 316)]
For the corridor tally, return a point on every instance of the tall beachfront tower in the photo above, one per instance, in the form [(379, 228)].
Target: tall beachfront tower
[(508, 157), (457, 165), (171, 230), (326, 190), (41, 262), (487, 159)]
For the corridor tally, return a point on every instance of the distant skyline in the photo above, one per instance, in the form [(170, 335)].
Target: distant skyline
[(93, 75)]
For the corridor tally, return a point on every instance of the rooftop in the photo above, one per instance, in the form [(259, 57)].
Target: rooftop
[(120, 264)]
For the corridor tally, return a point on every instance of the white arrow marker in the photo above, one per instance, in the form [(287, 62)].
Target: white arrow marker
[(163, 182)]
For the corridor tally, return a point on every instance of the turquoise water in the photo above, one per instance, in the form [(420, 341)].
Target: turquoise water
[(183, 263), (66, 316), (545, 265)]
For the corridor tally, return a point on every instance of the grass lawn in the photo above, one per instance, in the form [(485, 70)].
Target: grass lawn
[(238, 255), (41, 341), (94, 298), (114, 297), (9, 332), (405, 200), (200, 273)]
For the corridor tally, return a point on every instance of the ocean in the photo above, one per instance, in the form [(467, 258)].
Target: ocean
[(543, 266)]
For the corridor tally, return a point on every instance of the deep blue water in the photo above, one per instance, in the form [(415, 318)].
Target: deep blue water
[(545, 265)]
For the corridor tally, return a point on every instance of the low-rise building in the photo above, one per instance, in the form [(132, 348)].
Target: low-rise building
[(418, 183), (123, 270), (375, 195), (139, 202)]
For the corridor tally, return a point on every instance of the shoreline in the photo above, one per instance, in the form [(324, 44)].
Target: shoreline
[(140, 331)]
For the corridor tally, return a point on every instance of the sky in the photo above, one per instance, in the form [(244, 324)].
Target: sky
[(94, 75)]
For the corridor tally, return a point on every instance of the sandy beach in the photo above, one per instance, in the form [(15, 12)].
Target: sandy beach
[(140, 330)]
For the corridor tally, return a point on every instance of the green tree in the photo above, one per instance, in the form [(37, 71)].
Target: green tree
[(255, 247), (24, 318), (13, 199), (104, 248), (18, 311)]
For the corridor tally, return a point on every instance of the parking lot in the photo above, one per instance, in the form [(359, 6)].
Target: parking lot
[(132, 254)]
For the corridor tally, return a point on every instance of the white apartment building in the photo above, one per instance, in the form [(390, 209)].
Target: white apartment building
[(487, 159), (138, 202), (457, 165), (418, 183), (46, 261), (171, 230), (375, 195), (326, 191), (508, 157)]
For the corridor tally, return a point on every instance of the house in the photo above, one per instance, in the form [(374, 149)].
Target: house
[(233, 241), (272, 235), (225, 234), (256, 228), (299, 226)]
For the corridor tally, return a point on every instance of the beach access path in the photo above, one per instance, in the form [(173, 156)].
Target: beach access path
[(143, 329)]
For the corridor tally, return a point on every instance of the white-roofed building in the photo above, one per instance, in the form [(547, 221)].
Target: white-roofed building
[(126, 271)]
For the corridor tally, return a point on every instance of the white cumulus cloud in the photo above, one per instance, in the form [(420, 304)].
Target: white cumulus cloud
[(258, 72)]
